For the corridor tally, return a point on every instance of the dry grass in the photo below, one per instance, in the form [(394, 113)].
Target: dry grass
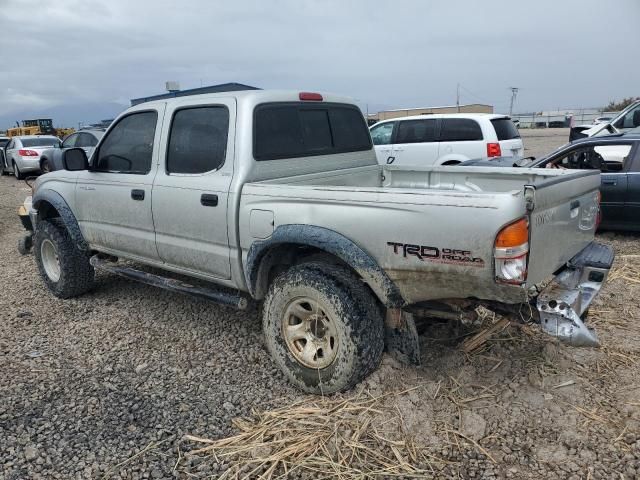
[(356, 438)]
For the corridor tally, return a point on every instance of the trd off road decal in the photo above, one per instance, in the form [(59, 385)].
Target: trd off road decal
[(437, 255)]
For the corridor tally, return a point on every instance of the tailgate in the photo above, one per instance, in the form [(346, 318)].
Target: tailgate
[(563, 220)]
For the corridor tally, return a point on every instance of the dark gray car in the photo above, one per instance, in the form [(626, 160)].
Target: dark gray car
[(50, 159), (618, 159)]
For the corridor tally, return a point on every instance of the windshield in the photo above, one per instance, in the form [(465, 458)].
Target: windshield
[(39, 142)]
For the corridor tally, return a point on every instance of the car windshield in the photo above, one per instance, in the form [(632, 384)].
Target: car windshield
[(39, 142)]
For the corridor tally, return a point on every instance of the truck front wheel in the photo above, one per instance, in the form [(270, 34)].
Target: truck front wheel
[(64, 268), (323, 327)]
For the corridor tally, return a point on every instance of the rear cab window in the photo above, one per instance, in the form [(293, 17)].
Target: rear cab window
[(505, 129), (460, 130), (295, 129)]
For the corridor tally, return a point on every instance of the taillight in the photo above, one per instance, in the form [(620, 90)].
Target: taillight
[(493, 150), (511, 251), (315, 97), (27, 153)]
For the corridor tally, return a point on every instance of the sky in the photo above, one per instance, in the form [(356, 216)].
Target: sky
[(83, 60)]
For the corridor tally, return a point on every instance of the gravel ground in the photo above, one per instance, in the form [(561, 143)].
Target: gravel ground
[(90, 383)]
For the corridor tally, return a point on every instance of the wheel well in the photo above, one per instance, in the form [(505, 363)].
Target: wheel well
[(452, 162), (282, 256), (46, 210)]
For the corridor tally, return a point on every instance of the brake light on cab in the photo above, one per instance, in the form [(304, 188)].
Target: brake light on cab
[(310, 96), (511, 252), (493, 150)]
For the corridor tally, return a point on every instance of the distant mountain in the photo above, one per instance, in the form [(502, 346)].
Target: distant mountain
[(66, 115)]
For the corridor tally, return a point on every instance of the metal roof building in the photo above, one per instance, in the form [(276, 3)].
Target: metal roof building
[(223, 87)]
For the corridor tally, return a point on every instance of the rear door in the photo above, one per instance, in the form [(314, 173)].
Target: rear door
[(191, 190), (508, 137), (460, 139), (416, 142), (382, 136)]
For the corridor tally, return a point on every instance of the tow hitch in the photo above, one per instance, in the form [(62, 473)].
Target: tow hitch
[(563, 303)]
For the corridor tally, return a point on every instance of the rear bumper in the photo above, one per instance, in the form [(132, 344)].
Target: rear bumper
[(562, 304)]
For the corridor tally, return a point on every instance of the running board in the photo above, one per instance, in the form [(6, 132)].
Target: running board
[(235, 299)]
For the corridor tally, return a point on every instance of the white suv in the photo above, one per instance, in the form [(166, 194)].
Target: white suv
[(445, 139)]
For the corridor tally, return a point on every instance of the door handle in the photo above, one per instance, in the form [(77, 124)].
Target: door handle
[(137, 194), (209, 200), (609, 182)]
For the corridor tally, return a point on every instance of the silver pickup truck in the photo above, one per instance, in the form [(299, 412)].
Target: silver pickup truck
[(277, 197)]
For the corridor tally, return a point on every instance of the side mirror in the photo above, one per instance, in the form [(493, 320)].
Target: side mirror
[(75, 159)]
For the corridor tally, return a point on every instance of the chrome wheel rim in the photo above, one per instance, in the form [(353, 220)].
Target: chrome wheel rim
[(310, 333), (50, 260)]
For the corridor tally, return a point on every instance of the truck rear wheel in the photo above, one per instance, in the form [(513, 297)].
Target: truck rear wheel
[(323, 327), (64, 268)]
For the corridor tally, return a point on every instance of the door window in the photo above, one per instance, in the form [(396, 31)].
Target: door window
[(128, 147), (86, 140), (606, 158), (416, 131), (198, 140), (381, 134), (460, 130), (70, 141)]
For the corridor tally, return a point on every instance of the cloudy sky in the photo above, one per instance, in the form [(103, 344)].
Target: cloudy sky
[(83, 60)]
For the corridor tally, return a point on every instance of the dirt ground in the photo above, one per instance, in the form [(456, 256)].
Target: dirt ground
[(107, 385)]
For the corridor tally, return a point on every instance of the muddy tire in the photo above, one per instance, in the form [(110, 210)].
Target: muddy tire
[(338, 337), (63, 267)]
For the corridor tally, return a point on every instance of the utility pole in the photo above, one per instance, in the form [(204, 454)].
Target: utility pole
[(514, 92), (458, 98)]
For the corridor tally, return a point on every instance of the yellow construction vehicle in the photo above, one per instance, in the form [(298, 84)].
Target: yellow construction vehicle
[(39, 126)]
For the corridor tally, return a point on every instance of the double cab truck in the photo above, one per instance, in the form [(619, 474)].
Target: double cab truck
[(276, 197)]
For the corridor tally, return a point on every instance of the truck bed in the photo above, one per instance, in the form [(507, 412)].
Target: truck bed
[(459, 209)]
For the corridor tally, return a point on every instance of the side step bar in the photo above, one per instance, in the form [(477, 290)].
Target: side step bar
[(235, 299)]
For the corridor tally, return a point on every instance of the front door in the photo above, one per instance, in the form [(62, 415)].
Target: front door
[(113, 198), (191, 190)]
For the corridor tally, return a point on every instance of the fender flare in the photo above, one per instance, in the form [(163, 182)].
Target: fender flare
[(331, 242), (62, 207)]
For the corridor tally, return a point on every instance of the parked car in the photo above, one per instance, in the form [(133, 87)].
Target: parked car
[(617, 157), (3, 143), (626, 120), (277, 196), (445, 139), (23, 153), (51, 159)]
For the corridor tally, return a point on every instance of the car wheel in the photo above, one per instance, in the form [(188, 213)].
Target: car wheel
[(16, 171), (45, 166), (323, 327), (64, 268)]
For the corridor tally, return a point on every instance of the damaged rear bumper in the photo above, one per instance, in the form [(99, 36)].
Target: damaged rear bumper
[(562, 304)]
